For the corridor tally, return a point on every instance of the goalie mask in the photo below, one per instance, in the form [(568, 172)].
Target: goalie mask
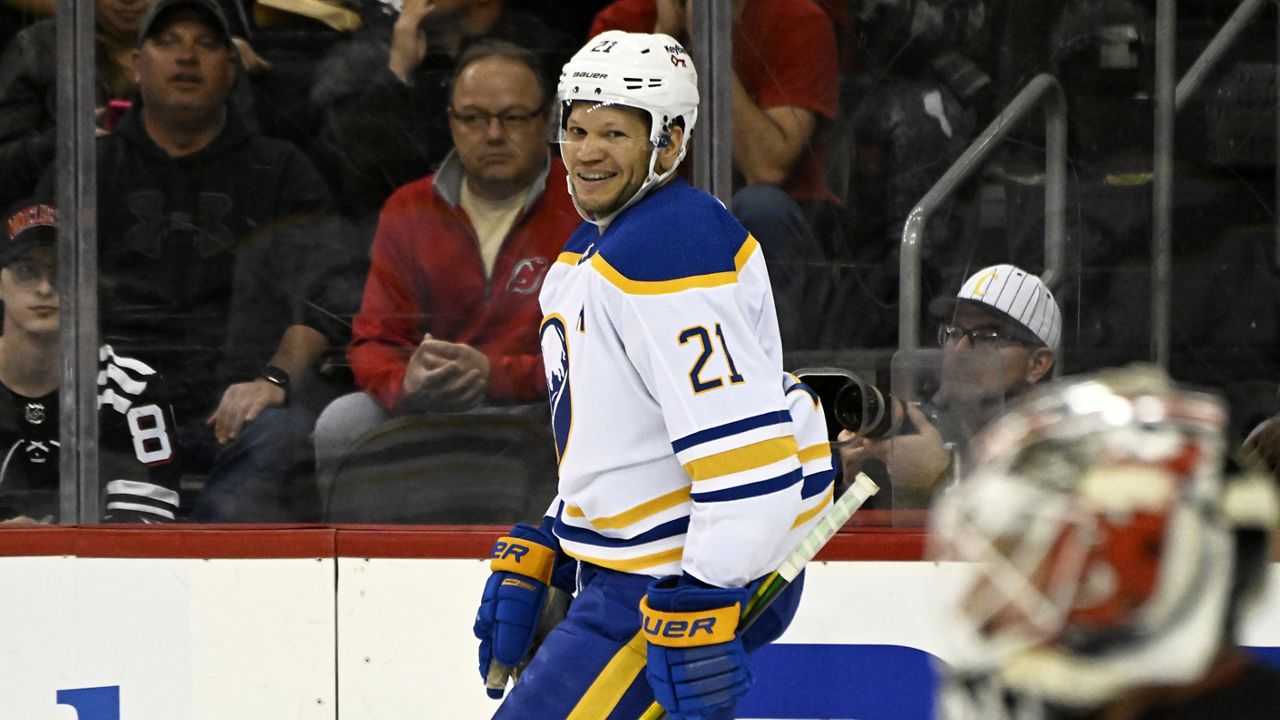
[(1100, 529), (649, 72)]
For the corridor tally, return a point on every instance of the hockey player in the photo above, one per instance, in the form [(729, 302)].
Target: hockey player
[(1113, 557), (689, 463), (137, 459)]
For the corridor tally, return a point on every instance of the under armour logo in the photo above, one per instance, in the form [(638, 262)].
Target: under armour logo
[(207, 230)]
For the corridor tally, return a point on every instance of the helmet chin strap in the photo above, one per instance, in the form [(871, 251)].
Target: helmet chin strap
[(652, 180)]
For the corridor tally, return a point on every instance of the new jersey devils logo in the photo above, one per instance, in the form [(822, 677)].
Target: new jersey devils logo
[(526, 277)]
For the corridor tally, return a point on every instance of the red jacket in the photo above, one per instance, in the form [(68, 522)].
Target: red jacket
[(427, 276)]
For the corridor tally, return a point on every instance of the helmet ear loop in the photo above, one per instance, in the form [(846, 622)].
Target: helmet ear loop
[(662, 141), (653, 178)]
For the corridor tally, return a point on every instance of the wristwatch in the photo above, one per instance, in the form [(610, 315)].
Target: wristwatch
[(278, 377)]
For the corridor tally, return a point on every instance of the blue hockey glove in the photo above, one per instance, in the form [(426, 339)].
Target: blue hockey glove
[(696, 664), (511, 607)]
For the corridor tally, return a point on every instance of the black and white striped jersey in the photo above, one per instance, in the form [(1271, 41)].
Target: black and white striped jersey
[(137, 456)]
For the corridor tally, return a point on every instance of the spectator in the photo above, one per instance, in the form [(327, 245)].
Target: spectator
[(784, 93), (1001, 340), (138, 461), (202, 269), (381, 96), (28, 71), (1104, 530), (27, 102), (450, 313)]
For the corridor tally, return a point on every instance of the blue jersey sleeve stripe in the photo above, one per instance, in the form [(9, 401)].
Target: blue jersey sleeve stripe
[(816, 483), (660, 287), (756, 489), (737, 426), (586, 536)]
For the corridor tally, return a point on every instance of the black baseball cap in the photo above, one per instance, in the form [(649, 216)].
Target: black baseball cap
[(211, 8), (28, 224)]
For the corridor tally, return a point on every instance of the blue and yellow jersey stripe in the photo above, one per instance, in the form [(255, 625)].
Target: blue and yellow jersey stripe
[(631, 286)]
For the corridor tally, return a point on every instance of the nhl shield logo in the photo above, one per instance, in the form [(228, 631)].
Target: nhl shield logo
[(35, 413)]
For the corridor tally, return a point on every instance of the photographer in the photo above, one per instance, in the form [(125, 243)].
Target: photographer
[(1001, 340)]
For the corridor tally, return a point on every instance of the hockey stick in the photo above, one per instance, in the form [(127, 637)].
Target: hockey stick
[(557, 604), (832, 520)]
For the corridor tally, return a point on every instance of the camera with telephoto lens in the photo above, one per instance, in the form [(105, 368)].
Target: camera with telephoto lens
[(852, 404)]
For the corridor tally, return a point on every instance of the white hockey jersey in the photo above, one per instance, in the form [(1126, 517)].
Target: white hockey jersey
[(683, 446)]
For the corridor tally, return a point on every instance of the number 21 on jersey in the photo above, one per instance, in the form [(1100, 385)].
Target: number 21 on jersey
[(707, 371)]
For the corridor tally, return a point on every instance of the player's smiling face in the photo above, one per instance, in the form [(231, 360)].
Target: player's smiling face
[(606, 149)]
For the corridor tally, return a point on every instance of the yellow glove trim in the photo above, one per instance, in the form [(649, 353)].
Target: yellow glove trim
[(690, 628), (522, 557)]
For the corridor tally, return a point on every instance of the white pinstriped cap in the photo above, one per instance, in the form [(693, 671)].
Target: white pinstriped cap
[(1021, 296)]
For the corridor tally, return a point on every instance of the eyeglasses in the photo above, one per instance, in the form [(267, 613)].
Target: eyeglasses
[(28, 274), (476, 121), (978, 337)]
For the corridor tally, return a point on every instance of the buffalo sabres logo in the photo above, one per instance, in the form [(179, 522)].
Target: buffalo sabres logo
[(527, 275), (555, 359), (34, 413)]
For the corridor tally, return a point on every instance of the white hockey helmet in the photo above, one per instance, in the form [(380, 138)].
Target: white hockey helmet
[(651, 72), (1101, 528)]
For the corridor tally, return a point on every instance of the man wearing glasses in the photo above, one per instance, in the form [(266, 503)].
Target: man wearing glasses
[(1000, 339), (450, 312), (380, 96)]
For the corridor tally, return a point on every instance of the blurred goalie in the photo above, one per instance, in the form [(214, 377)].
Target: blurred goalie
[(1114, 547)]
